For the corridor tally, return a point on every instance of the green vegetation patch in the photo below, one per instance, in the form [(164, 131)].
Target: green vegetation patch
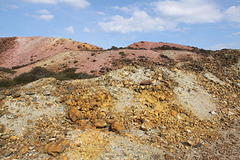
[(40, 72)]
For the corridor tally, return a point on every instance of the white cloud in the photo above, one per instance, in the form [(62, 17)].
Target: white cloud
[(74, 3), (70, 29), (188, 11), (139, 22), (86, 29), (12, 6), (43, 15), (236, 33), (232, 14), (101, 13), (47, 17), (223, 45), (6, 7), (43, 1), (124, 9), (43, 11), (167, 16)]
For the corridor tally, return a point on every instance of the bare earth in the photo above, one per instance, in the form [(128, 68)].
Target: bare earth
[(150, 104)]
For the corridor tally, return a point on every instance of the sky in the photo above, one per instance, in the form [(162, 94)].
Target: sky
[(207, 24)]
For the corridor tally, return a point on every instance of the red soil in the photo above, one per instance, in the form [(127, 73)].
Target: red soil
[(150, 45), (57, 54)]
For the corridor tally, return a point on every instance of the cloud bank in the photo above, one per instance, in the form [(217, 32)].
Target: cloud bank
[(168, 15), (73, 3)]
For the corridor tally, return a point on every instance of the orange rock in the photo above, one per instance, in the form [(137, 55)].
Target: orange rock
[(82, 123), (65, 157), (74, 114), (57, 147), (24, 150), (168, 157), (116, 126), (13, 138), (100, 124)]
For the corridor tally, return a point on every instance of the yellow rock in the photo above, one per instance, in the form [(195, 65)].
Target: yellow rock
[(13, 138), (57, 147), (100, 124), (116, 126), (74, 114)]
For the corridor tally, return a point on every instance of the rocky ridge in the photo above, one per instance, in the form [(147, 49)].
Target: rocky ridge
[(173, 107)]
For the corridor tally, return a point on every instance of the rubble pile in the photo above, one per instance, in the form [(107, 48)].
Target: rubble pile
[(144, 110)]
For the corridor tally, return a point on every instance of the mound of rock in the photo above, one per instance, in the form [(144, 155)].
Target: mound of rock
[(149, 107)]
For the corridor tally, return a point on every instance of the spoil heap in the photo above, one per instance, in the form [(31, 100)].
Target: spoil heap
[(182, 109)]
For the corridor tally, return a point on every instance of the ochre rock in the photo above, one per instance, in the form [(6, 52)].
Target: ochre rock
[(54, 148), (74, 114), (116, 126)]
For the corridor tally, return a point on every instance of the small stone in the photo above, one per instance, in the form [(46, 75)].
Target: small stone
[(198, 145), (142, 87), (116, 127), (47, 93), (57, 147), (29, 93), (100, 124), (74, 114), (52, 139), (10, 115), (13, 138), (2, 128), (24, 150), (31, 147), (235, 96), (146, 126), (168, 157), (191, 143), (2, 143), (147, 82), (8, 153), (213, 112), (65, 157), (162, 98)]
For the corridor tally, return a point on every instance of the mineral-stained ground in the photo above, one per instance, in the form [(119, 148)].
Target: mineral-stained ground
[(178, 109)]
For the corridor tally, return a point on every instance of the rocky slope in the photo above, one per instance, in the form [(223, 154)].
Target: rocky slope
[(152, 103)]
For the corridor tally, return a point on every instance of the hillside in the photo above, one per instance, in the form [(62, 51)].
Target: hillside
[(57, 54), (147, 101), (18, 52)]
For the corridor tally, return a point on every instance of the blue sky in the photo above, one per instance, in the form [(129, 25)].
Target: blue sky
[(208, 24)]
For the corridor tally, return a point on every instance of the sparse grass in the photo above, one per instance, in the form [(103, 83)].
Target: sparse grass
[(166, 57), (114, 48), (17, 67), (35, 74), (141, 57), (7, 70), (166, 47), (201, 51), (122, 54), (6, 83), (39, 72)]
